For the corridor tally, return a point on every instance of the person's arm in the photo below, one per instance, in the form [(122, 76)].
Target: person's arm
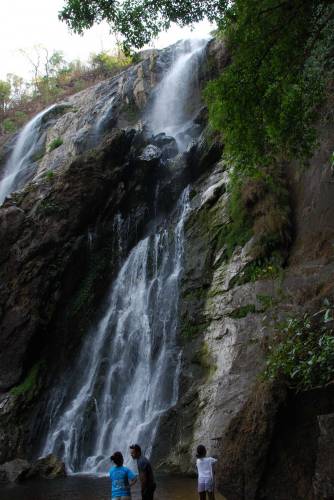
[(213, 463), (132, 477)]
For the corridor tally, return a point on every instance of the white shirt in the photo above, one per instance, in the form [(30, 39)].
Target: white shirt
[(204, 467)]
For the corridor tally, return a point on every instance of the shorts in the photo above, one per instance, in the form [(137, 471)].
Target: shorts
[(205, 485)]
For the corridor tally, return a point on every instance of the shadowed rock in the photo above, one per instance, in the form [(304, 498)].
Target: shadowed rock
[(14, 471)]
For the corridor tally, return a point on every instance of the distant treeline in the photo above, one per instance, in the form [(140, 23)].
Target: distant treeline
[(53, 78)]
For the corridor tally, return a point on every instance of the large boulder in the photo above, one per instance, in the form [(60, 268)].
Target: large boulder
[(48, 467), (18, 470), (150, 156), (13, 471), (167, 144)]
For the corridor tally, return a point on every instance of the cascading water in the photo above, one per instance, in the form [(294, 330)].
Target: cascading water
[(178, 95), (20, 166), (127, 375)]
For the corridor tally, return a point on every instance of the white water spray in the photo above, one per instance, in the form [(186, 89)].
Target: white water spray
[(128, 373), (20, 166), (178, 94)]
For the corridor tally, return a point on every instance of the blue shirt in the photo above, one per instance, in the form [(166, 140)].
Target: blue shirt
[(120, 477)]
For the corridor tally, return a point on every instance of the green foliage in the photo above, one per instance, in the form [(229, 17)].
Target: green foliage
[(258, 205), (138, 21), (9, 126), (189, 330), (203, 358), (239, 229), (243, 311), (98, 266), (268, 267), (79, 85), (135, 57), (27, 387), (55, 143), (49, 207), (5, 90), (266, 301), (20, 117), (302, 350), (49, 175), (266, 100), (53, 78), (105, 63)]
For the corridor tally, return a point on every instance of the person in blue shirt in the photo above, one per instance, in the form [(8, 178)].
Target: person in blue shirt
[(121, 477)]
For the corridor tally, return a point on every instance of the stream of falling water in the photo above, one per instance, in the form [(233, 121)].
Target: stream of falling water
[(127, 375), (178, 95), (20, 166), (128, 372)]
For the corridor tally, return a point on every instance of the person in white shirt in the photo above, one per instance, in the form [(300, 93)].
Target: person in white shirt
[(205, 468)]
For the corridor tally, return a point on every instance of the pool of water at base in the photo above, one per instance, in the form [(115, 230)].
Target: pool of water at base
[(94, 488)]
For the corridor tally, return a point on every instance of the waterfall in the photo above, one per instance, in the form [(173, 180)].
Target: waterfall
[(20, 165), (127, 375), (178, 95)]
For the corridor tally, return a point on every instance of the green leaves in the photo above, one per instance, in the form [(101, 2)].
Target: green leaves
[(138, 21), (266, 101), (302, 350), (5, 90)]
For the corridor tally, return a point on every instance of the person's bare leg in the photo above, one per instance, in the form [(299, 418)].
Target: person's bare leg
[(202, 495)]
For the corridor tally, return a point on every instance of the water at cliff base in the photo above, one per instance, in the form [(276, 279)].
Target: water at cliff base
[(92, 488)]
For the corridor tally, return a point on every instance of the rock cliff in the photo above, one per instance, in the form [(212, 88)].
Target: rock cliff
[(60, 251)]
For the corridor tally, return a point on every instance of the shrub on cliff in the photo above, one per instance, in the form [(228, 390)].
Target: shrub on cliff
[(267, 99), (302, 350)]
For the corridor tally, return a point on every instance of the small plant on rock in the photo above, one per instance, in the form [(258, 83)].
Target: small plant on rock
[(55, 143), (49, 175)]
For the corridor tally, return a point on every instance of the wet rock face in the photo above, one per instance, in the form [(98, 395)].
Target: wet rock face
[(167, 144), (79, 123), (19, 470), (46, 226), (150, 156), (60, 238), (323, 482), (225, 322), (49, 467), (48, 222), (14, 471), (54, 274)]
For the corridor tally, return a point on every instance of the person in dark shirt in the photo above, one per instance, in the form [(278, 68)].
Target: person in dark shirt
[(145, 471)]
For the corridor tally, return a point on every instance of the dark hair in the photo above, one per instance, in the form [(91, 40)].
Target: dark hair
[(135, 447), (117, 458), (201, 451)]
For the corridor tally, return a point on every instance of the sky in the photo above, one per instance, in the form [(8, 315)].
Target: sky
[(26, 23)]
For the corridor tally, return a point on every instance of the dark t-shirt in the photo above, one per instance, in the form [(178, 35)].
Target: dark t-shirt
[(144, 467)]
